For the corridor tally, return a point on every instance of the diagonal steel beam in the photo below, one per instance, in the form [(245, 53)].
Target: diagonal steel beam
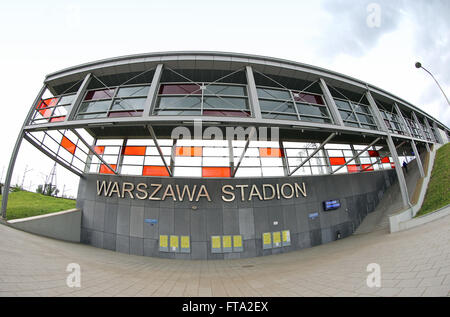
[(250, 136), (93, 151), (331, 136), (356, 156), (54, 158), (153, 135)]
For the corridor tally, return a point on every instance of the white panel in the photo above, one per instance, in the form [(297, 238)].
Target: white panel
[(188, 171), (216, 161), (296, 152), (144, 142), (273, 171), (112, 150), (248, 171), (335, 153), (249, 152), (66, 155), (188, 161), (218, 151), (156, 160), (133, 160), (94, 168), (109, 142), (154, 151), (271, 161), (304, 170), (337, 146), (131, 170)]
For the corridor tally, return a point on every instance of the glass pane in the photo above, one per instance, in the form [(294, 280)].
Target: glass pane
[(365, 119), (312, 110), (224, 103), (342, 104), (100, 94), (276, 106), (178, 102), (91, 116), (226, 113), (351, 124), (131, 113), (302, 97), (362, 108), (347, 115), (278, 116), (65, 100), (314, 119), (177, 113), (133, 91), (127, 104), (95, 106), (183, 89), (225, 90), (273, 94)]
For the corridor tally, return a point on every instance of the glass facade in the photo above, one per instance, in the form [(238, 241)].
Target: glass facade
[(203, 99), (285, 104), (355, 114)]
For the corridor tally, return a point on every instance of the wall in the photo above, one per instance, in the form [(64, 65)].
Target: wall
[(64, 225), (118, 223)]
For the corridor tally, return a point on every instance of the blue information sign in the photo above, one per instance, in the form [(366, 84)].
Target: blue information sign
[(331, 204)]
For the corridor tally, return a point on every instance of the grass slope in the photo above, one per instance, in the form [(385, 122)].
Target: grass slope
[(23, 204), (438, 192)]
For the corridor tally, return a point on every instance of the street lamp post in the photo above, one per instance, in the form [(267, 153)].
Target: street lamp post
[(419, 65)]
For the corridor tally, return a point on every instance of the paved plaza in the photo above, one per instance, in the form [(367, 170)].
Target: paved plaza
[(413, 263)]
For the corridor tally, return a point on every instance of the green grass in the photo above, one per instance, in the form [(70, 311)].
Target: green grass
[(23, 204), (438, 192)]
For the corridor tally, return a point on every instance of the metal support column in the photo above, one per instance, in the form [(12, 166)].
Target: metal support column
[(418, 160), (402, 119), (399, 172), (392, 149), (376, 112), (15, 151), (78, 97), (153, 91), (430, 132), (330, 102), (253, 94), (422, 132)]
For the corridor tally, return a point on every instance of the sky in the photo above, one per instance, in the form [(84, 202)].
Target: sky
[(375, 41)]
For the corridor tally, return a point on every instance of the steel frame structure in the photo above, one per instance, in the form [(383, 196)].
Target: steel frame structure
[(230, 62)]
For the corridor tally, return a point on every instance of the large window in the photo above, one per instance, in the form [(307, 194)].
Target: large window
[(126, 101), (393, 122), (53, 109), (287, 104), (190, 99), (355, 114)]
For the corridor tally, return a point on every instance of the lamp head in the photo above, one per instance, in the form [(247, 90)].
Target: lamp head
[(418, 65)]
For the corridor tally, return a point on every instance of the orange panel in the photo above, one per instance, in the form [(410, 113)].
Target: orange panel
[(189, 151), (216, 172), (385, 160), (68, 145), (364, 166), (392, 165), (374, 153), (155, 171), (353, 168), (105, 169), (99, 149), (270, 152), (134, 150), (337, 160)]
